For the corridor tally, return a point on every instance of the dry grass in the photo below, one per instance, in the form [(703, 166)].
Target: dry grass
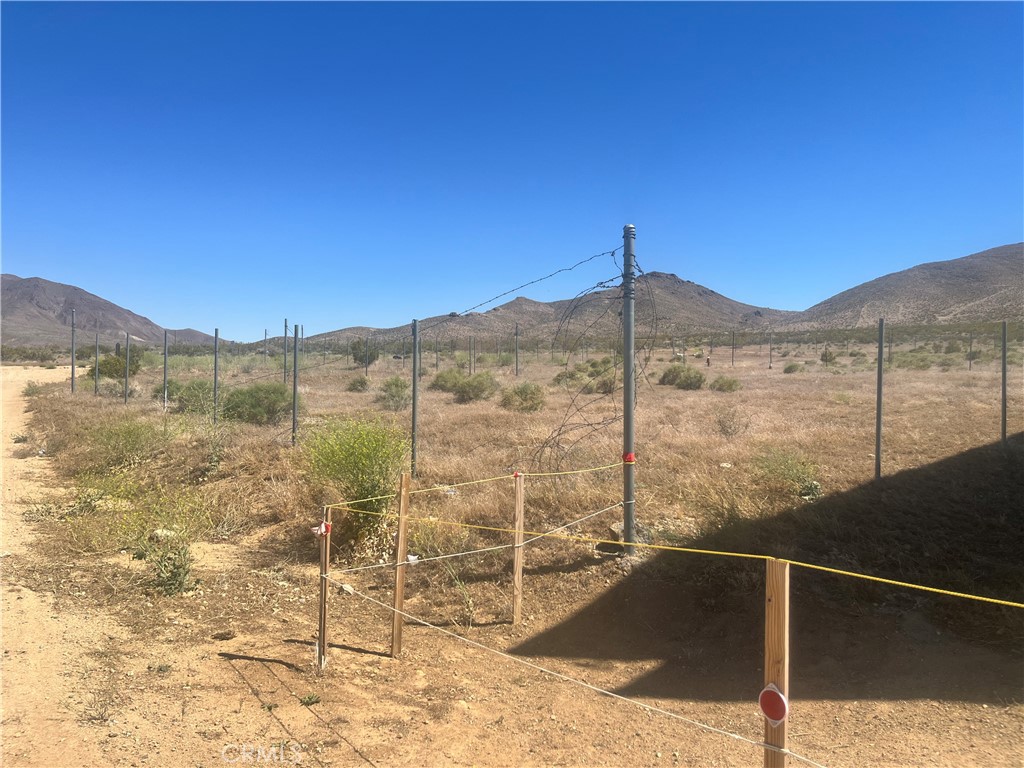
[(740, 470)]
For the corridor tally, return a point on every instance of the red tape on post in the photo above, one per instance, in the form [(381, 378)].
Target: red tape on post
[(629, 458)]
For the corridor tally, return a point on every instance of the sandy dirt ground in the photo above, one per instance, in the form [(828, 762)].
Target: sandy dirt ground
[(99, 674)]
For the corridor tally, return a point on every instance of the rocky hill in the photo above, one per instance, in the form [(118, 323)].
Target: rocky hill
[(37, 312), (984, 286)]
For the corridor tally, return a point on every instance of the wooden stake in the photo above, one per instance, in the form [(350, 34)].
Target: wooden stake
[(325, 562), (517, 560), (776, 652), (400, 563)]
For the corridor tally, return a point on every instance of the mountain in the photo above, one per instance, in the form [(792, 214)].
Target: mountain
[(35, 312), (983, 286)]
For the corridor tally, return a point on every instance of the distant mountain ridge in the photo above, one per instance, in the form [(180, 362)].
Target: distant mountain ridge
[(984, 286), (36, 312)]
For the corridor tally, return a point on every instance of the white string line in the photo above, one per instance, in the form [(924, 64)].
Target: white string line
[(478, 551), (587, 685), (574, 522)]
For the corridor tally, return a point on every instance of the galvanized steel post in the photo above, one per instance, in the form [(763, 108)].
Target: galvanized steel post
[(628, 390), (415, 388), (295, 386), (165, 370), (73, 351), (216, 369), (878, 399)]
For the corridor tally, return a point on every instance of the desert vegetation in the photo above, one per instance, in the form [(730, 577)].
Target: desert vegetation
[(751, 461)]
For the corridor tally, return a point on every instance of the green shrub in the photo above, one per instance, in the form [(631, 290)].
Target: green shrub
[(363, 354), (792, 367), (725, 384), (913, 362), (673, 374), (603, 385), (567, 379), (174, 388), (361, 460), (32, 388), (358, 384), (523, 397), (479, 386), (691, 378), (123, 444), (171, 563), (790, 472), (448, 380), (828, 356), (112, 366), (395, 394), (265, 402), (952, 347), (196, 397)]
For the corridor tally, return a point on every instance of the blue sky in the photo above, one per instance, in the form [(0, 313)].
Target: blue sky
[(231, 164)]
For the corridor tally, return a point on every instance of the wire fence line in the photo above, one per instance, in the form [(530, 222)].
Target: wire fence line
[(577, 682)]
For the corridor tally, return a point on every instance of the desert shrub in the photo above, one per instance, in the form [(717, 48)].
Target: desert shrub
[(568, 379), (358, 384), (603, 385), (691, 378), (671, 375), (973, 355), (790, 472), (858, 353), (828, 357), (506, 359), (265, 402), (448, 380), (171, 564), (792, 367), (363, 353), (121, 444), (361, 460), (395, 394), (952, 347), (195, 397), (112, 366), (479, 386), (731, 422), (913, 362), (32, 388), (725, 384), (523, 397), (174, 388)]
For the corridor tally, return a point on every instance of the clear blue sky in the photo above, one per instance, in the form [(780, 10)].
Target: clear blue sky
[(231, 164)]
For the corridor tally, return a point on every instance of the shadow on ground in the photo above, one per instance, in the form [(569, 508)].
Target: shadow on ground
[(957, 524)]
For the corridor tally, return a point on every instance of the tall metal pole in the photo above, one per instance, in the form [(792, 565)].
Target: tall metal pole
[(415, 388), (366, 355), (73, 351), (216, 369), (628, 390), (127, 363), (770, 345), (295, 386), (878, 399), (165, 370), (96, 368), (1003, 420), (285, 350), (517, 349)]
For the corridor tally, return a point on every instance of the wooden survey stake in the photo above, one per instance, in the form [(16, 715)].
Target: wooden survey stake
[(776, 653), (401, 560)]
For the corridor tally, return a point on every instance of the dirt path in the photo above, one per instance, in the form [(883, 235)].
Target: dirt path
[(40, 671)]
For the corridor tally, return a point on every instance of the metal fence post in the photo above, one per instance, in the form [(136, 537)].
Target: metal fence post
[(127, 363), (1003, 418), (96, 368), (165, 370), (415, 388), (628, 390), (878, 399), (73, 351), (295, 386), (216, 364)]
